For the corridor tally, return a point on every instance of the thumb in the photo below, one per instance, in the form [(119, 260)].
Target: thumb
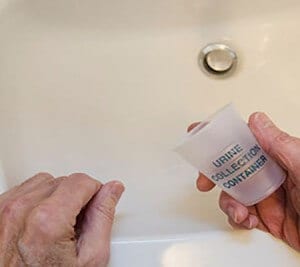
[(285, 149), (94, 241)]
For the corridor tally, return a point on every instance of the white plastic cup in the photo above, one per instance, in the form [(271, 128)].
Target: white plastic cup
[(223, 148)]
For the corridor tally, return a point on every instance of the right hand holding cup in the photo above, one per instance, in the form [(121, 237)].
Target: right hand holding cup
[(278, 214)]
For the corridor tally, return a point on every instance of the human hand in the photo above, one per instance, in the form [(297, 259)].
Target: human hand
[(279, 214), (57, 222)]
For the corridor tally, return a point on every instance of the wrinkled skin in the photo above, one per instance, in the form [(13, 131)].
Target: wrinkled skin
[(57, 222), (279, 213)]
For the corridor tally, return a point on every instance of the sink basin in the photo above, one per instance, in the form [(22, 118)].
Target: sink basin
[(108, 88)]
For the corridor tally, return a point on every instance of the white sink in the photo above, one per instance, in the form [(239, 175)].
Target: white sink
[(108, 88)]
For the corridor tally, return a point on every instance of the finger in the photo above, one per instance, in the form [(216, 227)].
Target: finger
[(253, 211), (192, 126), (235, 210), (19, 203), (72, 194), (35, 180), (27, 186), (278, 144), (204, 184), (94, 242), (290, 226), (271, 212), (251, 222), (235, 225), (15, 209)]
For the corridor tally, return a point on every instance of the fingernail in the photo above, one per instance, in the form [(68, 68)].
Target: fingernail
[(117, 190), (262, 120), (232, 213), (251, 222)]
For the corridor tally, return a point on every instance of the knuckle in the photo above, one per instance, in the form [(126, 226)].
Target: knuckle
[(42, 176), (40, 221), (80, 176), (84, 180), (11, 208), (283, 138), (39, 177), (45, 175), (285, 146), (38, 226), (56, 182)]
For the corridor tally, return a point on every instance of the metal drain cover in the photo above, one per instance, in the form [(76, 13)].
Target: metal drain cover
[(217, 60)]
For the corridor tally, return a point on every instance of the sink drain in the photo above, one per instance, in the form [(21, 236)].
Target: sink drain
[(217, 60)]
